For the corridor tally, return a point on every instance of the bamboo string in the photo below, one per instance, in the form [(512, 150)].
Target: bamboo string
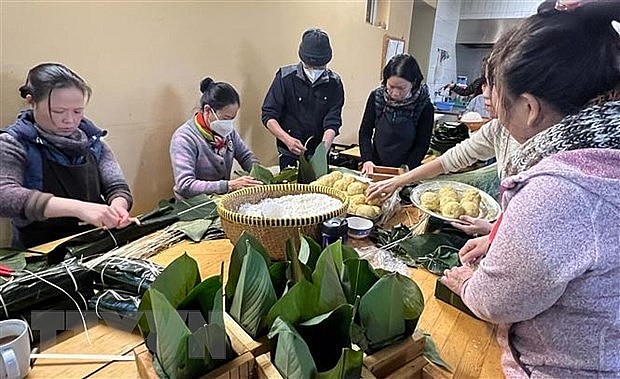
[(87, 357)]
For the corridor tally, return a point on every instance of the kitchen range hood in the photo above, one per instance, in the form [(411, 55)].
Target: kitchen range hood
[(483, 32)]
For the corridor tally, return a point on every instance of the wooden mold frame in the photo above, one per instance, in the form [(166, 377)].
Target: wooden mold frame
[(400, 360), (380, 173), (241, 367)]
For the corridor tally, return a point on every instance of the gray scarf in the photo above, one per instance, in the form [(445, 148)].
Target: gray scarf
[(595, 126), (73, 146)]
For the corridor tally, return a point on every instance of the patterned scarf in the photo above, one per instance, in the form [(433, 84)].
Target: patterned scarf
[(595, 126), (75, 146), (399, 111), (216, 141)]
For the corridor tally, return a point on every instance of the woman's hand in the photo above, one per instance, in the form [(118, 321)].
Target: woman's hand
[(474, 249), (473, 226), (368, 168), (101, 215), (119, 205), (242, 182), (294, 145), (455, 277), (378, 192)]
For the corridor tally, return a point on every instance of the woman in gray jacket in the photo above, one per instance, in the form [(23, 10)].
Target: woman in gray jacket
[(203, 149), (550, 276)]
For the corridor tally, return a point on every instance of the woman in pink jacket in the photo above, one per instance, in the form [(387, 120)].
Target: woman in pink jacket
[(551, 274)]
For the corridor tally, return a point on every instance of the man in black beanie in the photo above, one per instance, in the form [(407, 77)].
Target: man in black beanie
[(304, 103)]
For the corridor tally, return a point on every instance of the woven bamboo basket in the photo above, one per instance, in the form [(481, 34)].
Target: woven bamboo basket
[(274, 232)]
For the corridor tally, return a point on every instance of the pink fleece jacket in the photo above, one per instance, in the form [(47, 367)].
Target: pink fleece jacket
[(552, 273)]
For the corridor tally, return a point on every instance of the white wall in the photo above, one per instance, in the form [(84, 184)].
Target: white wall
[(473, 9), (444, 37), (144, 60)]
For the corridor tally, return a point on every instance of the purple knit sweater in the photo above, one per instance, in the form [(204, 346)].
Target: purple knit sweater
[(198, 168), (553, 270)]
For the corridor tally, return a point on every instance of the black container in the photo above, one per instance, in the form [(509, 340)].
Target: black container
[(334, 229)]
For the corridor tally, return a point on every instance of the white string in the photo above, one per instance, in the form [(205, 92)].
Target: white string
[(6, 312), (75, 285), (116, 295), (151, 267), (112, 235), (72, 299)]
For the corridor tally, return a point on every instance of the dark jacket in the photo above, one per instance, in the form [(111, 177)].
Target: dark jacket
[(392, 137), (303, 109), (475, 88), (36, 149)]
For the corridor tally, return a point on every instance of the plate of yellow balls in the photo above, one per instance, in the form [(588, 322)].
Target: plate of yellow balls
[(449, 200)]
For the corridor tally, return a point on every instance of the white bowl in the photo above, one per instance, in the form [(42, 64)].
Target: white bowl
[(359, 227)]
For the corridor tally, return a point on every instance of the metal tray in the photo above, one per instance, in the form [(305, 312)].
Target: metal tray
[(489, 208)]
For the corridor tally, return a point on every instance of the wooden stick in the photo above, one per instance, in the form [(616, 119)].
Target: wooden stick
[(87, 357)]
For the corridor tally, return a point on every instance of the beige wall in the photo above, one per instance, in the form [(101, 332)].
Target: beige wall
[(144, 61)]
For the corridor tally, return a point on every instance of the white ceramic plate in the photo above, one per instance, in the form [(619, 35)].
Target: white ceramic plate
[(489, 208)]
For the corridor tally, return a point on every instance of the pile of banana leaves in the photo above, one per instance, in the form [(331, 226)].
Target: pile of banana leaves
[(36, 290), (436, 251), (308, 171), (46, 289), (200, 209)]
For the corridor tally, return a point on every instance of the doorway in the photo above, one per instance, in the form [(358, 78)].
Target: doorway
[(421, 33)]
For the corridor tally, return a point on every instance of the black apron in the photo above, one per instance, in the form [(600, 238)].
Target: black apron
[(79, 182)]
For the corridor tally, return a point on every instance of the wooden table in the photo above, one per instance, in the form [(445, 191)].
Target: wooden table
[(466, 344)]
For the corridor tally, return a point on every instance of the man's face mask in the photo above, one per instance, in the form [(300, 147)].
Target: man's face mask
[(222, 127), (314, 73)]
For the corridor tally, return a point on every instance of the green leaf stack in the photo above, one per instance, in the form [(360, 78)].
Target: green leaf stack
[(183, 321)]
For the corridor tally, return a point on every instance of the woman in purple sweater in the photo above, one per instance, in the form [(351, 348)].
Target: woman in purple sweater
[(203, 148), (551, 274), (57, 176)]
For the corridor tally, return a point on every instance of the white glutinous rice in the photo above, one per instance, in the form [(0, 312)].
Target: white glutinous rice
[(292, 206)]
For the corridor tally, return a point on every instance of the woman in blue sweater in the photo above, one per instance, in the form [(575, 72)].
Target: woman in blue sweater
[(397, 124)]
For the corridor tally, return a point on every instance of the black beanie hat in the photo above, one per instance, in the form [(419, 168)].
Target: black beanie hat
[(314, 49)]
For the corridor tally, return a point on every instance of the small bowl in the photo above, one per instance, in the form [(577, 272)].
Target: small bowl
[(359, 227), (444, 105)]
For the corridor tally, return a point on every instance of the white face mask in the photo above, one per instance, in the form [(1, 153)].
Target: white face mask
[(222, 127), (314, 74)]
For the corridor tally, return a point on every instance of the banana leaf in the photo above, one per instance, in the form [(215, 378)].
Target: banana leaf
[(306, 299), (42, 289), (327, 334), (297, 270), (241, 248), (291, 355), (286, 175), (186, 317), (310, 170), (443, 258), (129, 275), (322, 343), (254, 293), (261, 173), (175, 283), (309, 252), (349, 366), (99, 241), (358, 278), (381, 312), (277, 273), (119, 309)]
